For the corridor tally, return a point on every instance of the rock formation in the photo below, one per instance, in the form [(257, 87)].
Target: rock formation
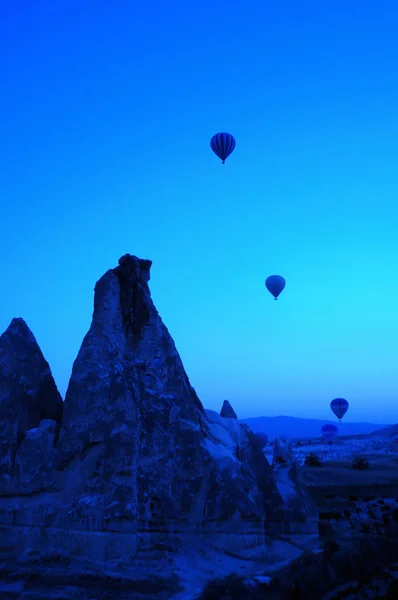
[(28, 394), (298, 512), (283, 452), (138, 466), (227, 411)]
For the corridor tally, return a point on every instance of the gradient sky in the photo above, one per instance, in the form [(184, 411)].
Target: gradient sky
[(107, 109)]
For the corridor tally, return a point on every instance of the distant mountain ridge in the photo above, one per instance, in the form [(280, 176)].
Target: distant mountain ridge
[(390, 431), (298, 428)]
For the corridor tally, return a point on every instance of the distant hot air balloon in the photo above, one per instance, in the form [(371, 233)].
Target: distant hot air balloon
[(339, 406), (329, 432), (223, 144), (262, 439), (275, 284)]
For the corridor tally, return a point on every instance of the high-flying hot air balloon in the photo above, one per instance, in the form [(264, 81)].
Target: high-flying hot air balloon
[(262, 439), (329, 432), (223, 144), (275, 284), (339, 406)]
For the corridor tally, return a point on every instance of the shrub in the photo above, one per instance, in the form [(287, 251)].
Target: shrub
[(231, 587), (360, 464), (386, 520), (312, 460), (392, 593), (331, 514)]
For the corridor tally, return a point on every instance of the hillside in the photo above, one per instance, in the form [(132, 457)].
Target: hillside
[(294, 427)]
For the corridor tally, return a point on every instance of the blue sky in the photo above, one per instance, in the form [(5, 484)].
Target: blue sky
[(107, 112)]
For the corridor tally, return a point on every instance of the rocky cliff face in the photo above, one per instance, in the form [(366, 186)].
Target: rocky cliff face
[(138, 467)]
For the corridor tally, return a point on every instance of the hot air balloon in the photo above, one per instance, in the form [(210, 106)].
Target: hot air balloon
[(339, 406), (262, 439), (329, 432), (275, 284), (223, 144)]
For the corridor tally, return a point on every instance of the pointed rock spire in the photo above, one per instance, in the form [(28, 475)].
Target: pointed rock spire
[(28, 392), (227, 411)]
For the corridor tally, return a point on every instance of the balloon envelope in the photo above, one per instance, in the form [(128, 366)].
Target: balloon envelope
[(275, 284), (223, 144), (262, 439), (339, 406), (329, 431)]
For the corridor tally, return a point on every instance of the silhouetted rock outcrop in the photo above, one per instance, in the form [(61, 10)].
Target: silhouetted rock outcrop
[(130, 406), (283, 452), (298, 511), (28, 393), (139, 468), (227, 411)]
